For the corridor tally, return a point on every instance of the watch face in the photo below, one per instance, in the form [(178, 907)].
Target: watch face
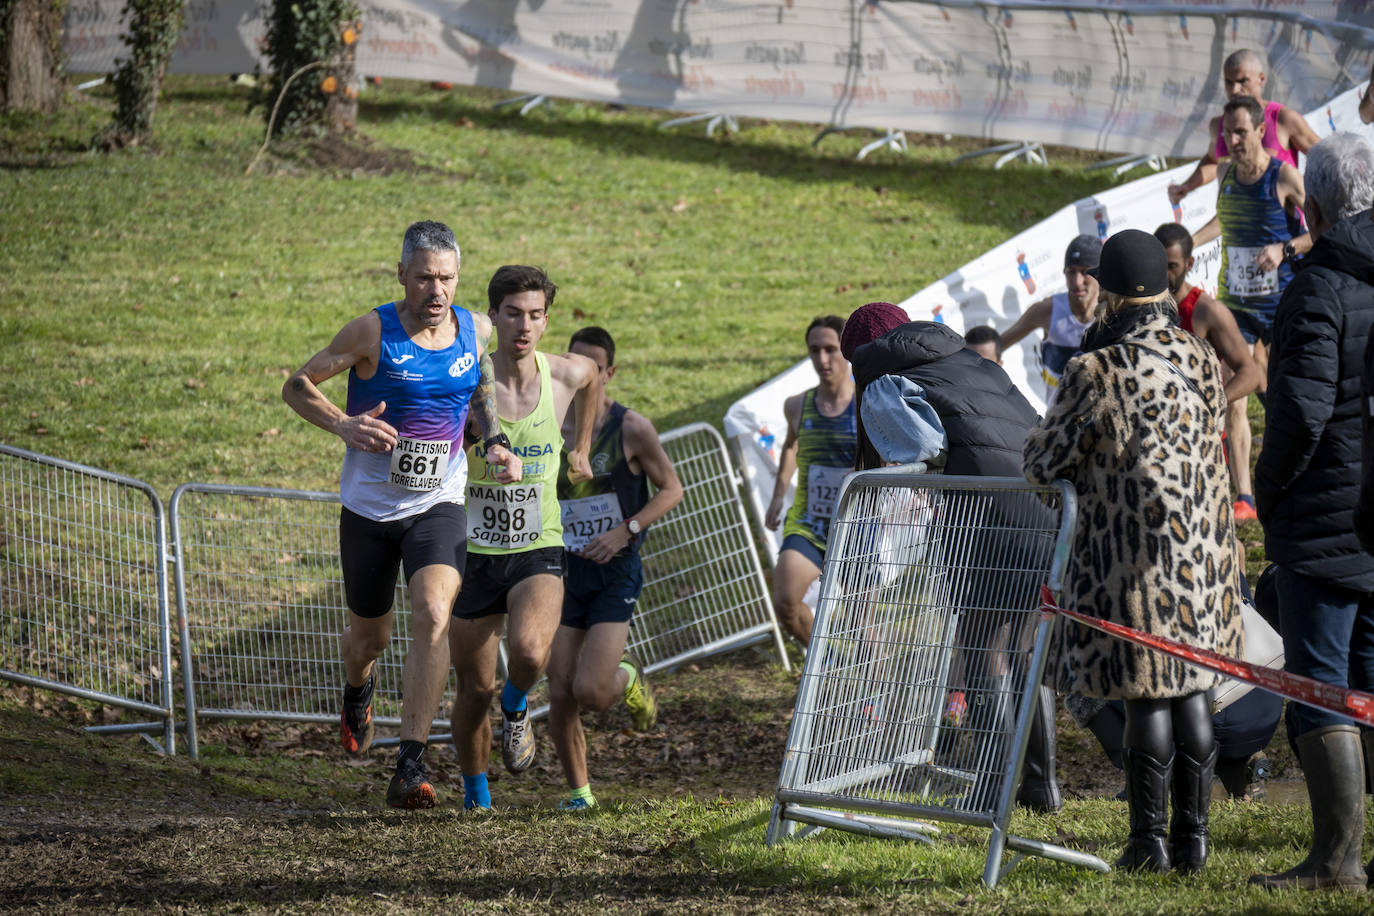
[(634, 526)]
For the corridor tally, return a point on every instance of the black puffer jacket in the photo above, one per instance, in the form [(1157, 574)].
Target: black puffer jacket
[(1364, 512), (1003, 543), (984, 415), (1307, 478)]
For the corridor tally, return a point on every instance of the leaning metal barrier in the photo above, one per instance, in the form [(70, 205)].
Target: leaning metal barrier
[(931, 588), (84, 589), (260, 592)]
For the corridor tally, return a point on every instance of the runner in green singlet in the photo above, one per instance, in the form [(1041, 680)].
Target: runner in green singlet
[(515, 532), (820, 443)]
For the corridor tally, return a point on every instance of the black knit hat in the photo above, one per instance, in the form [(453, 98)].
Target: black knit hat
[(1133, 265)]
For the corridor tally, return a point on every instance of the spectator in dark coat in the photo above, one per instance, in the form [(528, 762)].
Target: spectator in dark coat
[(1306, 485), (985, 420)]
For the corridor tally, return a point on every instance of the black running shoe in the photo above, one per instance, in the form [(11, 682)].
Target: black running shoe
[(410, 787), (355, 721)]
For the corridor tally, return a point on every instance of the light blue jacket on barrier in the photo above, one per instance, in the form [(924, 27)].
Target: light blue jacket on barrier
[(901, 424)]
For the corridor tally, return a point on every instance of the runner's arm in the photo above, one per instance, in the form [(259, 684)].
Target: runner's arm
[(641, 447), (1206, 168), (482, 413), (1218, 327), (787, 461), (1291, 195), (1037, 316), (1301, 136), (1208, 233), (581, 374), (358, 341)]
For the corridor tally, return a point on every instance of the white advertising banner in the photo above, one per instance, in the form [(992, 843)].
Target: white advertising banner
[(995, 288), (1141, 77)]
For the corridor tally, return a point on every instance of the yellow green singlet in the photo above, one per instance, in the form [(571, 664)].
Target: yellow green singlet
[(515, 517)]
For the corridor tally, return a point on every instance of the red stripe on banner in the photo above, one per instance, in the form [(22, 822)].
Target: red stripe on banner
[(1356, 704)]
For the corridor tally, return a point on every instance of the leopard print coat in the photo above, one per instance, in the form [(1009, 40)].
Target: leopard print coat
[(1155, 546)]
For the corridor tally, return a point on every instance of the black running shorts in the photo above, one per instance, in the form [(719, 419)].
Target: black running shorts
[(373, 552), (491, 576)]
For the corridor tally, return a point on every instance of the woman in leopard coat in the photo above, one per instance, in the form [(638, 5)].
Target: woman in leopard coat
[(1137, 429)]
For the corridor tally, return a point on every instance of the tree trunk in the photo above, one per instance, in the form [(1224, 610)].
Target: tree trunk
[(341, 107), (31, 79)]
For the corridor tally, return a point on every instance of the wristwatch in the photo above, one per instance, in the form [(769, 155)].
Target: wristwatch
[(1289, 252), (500, 439), (634, 527)]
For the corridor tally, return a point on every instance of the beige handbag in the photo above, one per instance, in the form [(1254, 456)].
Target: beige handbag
[(1263, 646)]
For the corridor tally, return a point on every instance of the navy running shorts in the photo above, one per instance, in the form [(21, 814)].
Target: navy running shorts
[(491, 576), (594, 593), (804, 547), (372, 553)]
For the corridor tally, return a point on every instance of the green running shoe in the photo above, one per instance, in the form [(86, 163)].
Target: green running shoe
[(639, 698)]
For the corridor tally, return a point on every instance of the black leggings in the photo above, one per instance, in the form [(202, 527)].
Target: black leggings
[(1155, 727)]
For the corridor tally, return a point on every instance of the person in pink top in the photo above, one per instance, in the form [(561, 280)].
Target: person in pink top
[(1286, 132)]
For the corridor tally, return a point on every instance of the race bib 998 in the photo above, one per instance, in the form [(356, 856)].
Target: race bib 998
[(505, 517)]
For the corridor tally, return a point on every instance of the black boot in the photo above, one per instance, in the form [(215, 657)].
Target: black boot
[(1334, 765), (1109, 728), (1188, 837), (1367, 740), (1147, 794), (1039, 788)]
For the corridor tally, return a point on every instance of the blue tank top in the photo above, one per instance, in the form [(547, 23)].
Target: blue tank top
[(1251, 216), (426, 394)]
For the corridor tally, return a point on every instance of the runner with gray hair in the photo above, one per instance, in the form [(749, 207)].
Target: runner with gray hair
[(428, 235), (418, 368), (1307, 482)]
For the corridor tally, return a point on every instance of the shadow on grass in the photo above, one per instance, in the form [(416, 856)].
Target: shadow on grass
[(750, 151)]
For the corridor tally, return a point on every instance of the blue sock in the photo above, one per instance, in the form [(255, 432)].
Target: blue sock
[(512, 698), (475, 791)]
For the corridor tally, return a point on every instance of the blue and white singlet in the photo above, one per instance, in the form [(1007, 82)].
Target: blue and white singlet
[(427, 394)]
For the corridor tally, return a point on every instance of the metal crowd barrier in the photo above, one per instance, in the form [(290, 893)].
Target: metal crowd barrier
[(83, 587), (261, 601), (260, 597), (704, 591), (931, 587)]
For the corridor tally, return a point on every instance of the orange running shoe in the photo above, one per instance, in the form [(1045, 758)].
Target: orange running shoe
[(410, 787), (355, 721), (1244, 511)]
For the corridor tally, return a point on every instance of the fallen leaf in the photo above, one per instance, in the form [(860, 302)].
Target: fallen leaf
[(680, 205), (844, 288), (193, 383)]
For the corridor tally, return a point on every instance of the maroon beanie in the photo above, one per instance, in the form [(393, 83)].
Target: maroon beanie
[(868, 323)]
